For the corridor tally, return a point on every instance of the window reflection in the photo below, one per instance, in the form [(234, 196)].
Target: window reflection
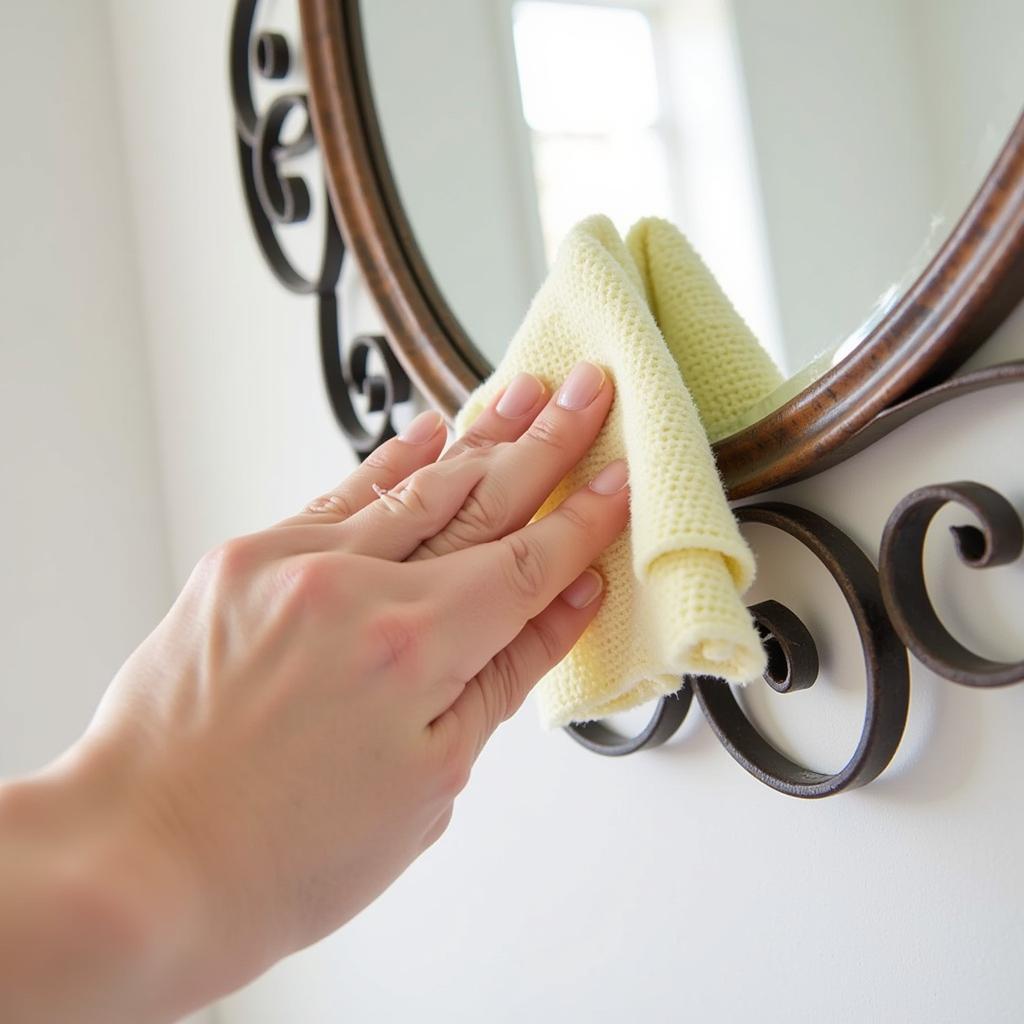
[(614, 99)]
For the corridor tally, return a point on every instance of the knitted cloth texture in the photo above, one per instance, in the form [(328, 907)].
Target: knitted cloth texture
[(651, 314)]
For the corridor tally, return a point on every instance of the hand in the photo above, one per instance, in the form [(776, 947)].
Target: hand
[(295, 732)]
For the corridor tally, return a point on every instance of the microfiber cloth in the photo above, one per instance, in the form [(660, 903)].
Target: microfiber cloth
[(685, 366)]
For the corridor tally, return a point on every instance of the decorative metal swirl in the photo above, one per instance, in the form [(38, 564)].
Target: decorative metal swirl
[(793, 666), (275, 199), (669, 714), (792, 654), (998, 542), (892, 604), (382, 391), (885, 662)]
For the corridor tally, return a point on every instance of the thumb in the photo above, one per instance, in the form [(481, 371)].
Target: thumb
[(500, 688)]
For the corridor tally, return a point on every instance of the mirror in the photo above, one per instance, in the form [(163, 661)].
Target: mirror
[(816, 152)]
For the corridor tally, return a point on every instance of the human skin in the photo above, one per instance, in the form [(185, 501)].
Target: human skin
[(293, 734)]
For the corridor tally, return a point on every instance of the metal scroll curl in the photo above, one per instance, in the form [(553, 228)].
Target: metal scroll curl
[(891, 608), (885, 663), (669, 713), (275, 199), (999, 541), (793, 666), (382, 389)]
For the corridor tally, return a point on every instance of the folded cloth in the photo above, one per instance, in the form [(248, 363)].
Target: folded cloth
[(674, 579), (725, 369)]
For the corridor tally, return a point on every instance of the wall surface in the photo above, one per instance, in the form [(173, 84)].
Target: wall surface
[(666, 886), (246, 433), (84, 569)]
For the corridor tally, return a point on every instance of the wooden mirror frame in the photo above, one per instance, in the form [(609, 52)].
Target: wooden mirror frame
[(968, 288)]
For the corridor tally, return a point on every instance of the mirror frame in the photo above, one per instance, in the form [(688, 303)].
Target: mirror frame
[(968, 288)]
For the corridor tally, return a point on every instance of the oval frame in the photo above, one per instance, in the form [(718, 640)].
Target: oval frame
[(968, 288)]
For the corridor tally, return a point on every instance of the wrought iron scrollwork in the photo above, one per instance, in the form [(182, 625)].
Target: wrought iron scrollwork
[(792, 654), (891, 608), (999, 541), (669, 714), (382, 389), (793, 666), (275, 199), (885, 662), (892, 612)]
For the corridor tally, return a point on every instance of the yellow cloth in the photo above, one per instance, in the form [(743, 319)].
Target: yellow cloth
[(674, 578)]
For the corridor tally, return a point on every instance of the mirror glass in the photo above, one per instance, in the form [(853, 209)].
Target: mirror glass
[(816, 152)]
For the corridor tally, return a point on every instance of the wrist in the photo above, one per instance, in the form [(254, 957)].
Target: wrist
[(98, 902)]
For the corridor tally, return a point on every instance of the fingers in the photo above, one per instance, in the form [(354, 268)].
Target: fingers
[(394, 526), (405, 516), (500, 688), (508, 415), (486, 594), (505, 419), (523, 474), (492, 489), (418, 445)]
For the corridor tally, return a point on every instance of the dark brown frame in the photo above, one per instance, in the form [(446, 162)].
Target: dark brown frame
[(969, 287)]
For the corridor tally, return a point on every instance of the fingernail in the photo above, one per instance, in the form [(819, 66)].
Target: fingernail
[(519, 397), (611, 479), (583, 589), (422, 428), (581, 387)]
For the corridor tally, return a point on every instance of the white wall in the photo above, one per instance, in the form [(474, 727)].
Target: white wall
[(85, 573), (667, 886), (246, 433)]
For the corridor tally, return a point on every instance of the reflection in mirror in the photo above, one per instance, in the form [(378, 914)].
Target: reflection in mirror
[(816, 152)]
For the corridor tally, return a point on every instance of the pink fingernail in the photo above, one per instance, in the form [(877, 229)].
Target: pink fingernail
[(611, 479), (422, 428), (583, 589), (581, 387), (520, 396)]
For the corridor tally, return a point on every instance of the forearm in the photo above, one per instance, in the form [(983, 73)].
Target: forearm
[(96, 923)]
